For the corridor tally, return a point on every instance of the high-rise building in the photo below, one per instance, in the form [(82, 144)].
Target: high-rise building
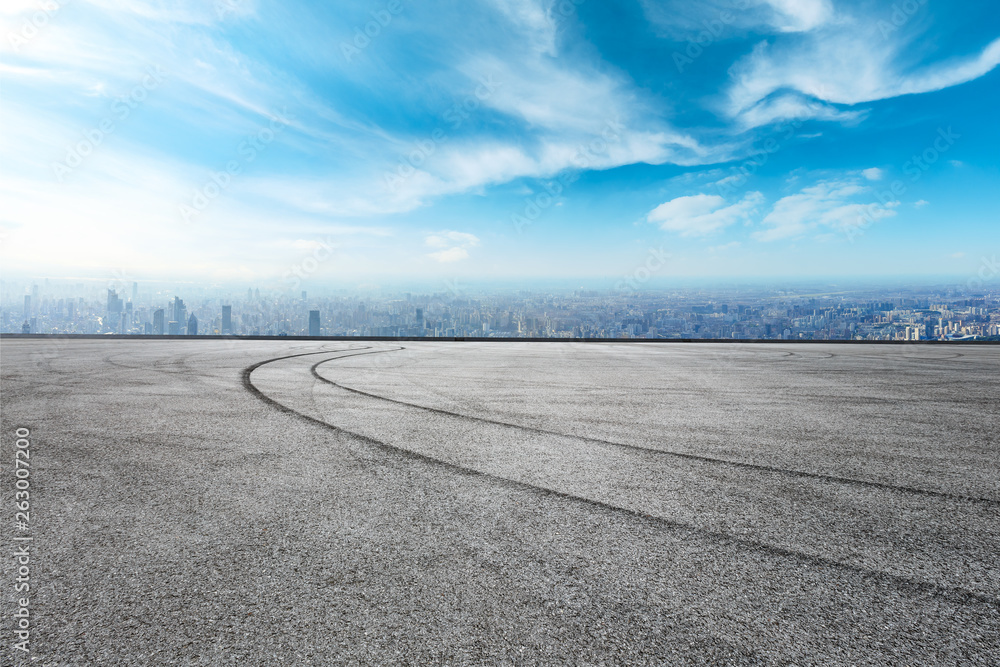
[(227, 320), (27, 306), (158, 322), (313, 322), (135, 292), (26, 327), (179, 311), (115, 305), (174, 328), (192, 325), (420, 318)]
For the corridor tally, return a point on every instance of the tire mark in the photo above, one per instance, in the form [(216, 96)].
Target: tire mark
[(667, 452), (915, 588)]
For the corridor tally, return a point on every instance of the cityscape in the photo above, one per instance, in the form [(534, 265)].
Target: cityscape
[(831, 312)]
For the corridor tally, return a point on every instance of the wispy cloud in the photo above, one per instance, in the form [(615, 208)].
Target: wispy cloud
[(836, 204), (454, 245), (698, 215)]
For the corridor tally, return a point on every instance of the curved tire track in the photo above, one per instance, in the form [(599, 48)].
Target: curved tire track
[(910, 586), (665, 452)]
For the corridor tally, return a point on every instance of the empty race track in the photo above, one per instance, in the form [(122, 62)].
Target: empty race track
[(301, 502)]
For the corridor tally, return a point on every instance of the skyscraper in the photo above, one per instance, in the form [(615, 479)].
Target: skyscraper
[(135, 292), (115, 305), (27, 306), (313, 322), (158, 322), (227, 320), (192, 325), (179, 312)]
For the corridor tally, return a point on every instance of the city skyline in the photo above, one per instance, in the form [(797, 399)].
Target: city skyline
[(835, 312), (241, 141)]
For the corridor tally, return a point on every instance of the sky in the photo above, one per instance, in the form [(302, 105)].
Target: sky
[(245, 141)]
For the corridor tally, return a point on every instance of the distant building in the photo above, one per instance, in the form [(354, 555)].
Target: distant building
[(26, 327), (158, 329), (420, 318), (227, 320), (192, 325), (27, 306), (313, 322), (174, 328), (115, 305), (179, 311)]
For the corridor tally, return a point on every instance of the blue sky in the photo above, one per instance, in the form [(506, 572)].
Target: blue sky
[(242, 140)]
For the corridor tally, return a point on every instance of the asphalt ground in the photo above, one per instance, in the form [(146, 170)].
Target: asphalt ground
[(329, 502)]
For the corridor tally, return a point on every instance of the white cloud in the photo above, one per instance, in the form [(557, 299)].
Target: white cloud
[(800, 15), (702, 214), (449, 255), (872, 174), (841, 60), (921, 203), (831, 204), (454, 245), (790, 106), (682, 19), (445, 239)]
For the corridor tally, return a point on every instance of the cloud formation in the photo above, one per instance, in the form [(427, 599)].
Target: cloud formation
[(454, 246), (840, 204), (699, 215)]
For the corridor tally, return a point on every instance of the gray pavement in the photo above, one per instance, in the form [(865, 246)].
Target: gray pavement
[(299, 502)]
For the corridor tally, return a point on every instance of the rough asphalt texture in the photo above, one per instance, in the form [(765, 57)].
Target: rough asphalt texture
[(223, 502)]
